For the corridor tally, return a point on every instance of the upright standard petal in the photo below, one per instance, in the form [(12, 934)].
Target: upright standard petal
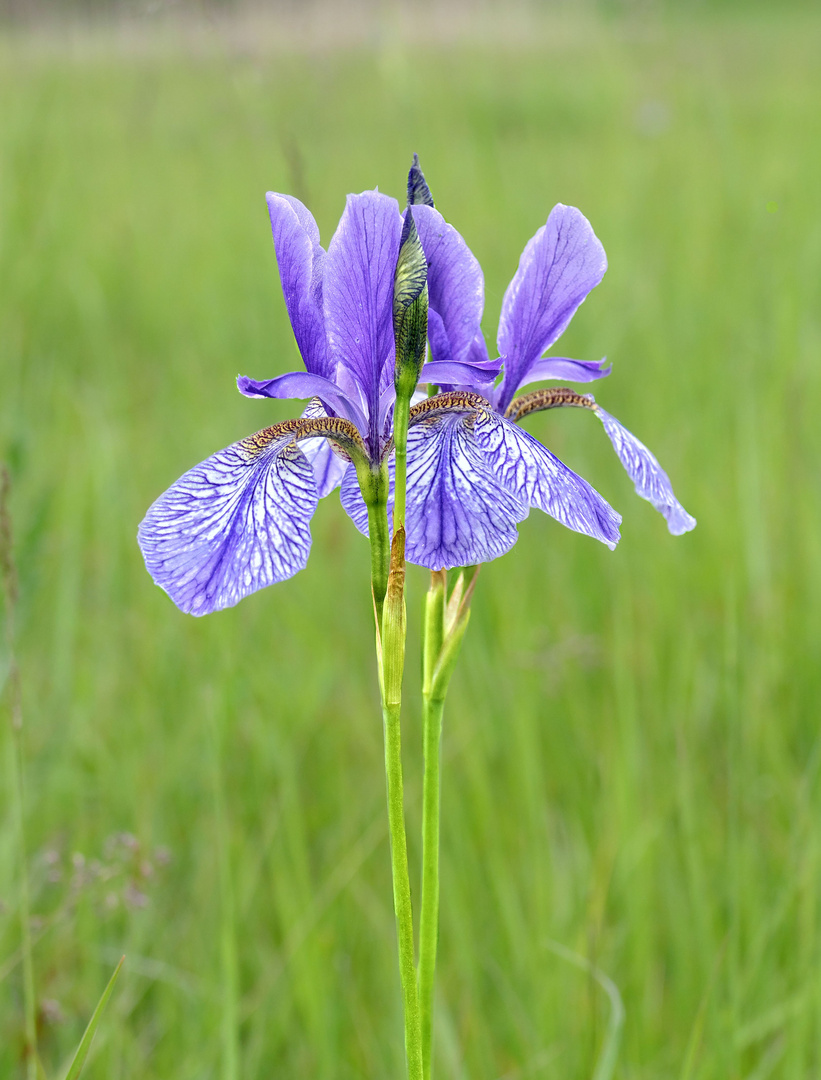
[(651, 481), (456, 285), (530, 472), (358, 291), (238, 521), (558, 268), (458, 514), (300, 258)]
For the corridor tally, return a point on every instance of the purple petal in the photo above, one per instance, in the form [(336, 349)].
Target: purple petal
[(558, 268), (560, 367), (438, 338), (329, 466), (651, 481), (352, 502), (465, 376), (538, 478), (358, 290), (456, 287), (299, 384), (477, 354), (231, 525), (300, 258), (457, 512)]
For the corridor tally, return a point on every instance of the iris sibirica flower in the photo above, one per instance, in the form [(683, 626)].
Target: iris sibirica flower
[(473, 473), (240, 520)]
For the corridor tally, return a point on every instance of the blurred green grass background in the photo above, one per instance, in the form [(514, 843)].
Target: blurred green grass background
[(632, 738)]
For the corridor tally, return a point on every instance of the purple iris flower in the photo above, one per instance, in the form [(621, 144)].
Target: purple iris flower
[(240, 520), (473, 473)]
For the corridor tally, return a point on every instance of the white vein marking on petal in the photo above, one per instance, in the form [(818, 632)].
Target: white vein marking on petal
[(457, 513), (536, 476), (238, 521)]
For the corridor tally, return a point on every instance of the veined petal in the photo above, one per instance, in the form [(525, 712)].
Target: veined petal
[(457, 512), (238, 521), (299, 384), (651, 481), (538, 478), (329, 466), (558, 268), (352, 502), (301, 258), (456, 285), (358, 290)]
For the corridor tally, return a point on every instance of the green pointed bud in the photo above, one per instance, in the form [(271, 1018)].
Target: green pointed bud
[(456, 615), (410, 309), (434, 632), (418, 190)]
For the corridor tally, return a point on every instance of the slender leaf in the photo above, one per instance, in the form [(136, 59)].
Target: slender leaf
[(76, 1066)]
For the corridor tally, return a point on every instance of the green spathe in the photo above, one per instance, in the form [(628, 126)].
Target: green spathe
[(410, 309)]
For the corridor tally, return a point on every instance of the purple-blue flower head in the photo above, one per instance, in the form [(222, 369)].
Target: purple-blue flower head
[(473, 473), (241, 519)]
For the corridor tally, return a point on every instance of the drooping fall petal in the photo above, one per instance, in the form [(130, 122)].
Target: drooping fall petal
[(238, 521), (651, 481)]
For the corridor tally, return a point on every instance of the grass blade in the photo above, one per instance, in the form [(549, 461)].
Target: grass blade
[(606, 1064), (76, 1066)]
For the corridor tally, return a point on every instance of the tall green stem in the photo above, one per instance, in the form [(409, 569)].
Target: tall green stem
[(443, 631), (433, 709), (389, 601), (401, 891), (393, 664), (401, 418)]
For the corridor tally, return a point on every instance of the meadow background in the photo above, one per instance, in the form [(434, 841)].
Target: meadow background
[(631, 750)]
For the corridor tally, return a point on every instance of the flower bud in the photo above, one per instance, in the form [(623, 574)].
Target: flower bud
[(410, 309)]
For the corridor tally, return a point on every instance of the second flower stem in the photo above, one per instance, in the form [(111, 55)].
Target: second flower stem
[(429, 925), (432, 710), (444, 627)]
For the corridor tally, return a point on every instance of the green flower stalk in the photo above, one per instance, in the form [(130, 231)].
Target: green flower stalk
[(391, 653), (444, 625), (410, 304)]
